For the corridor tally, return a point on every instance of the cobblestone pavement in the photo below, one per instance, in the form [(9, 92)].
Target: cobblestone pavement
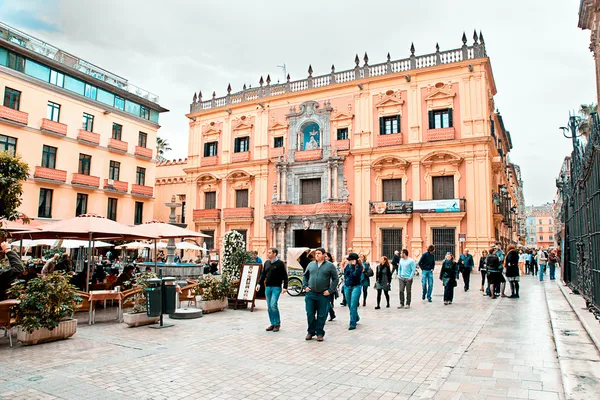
[(474, 348)]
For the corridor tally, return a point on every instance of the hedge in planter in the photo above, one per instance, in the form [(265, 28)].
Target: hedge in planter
[(213, 291), (138, 317)]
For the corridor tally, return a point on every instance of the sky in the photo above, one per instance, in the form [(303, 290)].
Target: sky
[(540, 59)]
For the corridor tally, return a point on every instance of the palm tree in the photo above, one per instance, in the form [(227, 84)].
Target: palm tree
[(162, 146)]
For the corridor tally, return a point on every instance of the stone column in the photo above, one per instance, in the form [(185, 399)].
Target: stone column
[(335, 179), (329, 180), (283, 188), (325, 233), (281, 247), (344, 237), (273, 238), (335, 237), (278, 169)]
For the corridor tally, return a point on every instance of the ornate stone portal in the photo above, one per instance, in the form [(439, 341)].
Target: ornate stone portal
[(300, 219)]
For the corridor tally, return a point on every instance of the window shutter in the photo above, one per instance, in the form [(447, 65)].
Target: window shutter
[(431, 120), (381, 126), (399, 127), (205, 149), (216, 148), (450, 125)]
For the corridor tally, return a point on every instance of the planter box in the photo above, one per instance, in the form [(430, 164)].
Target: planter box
[(212, 305), (64, 330), (139, 319)]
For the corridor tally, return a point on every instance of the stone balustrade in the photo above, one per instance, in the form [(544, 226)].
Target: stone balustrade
[(238, 213), (308, 155), (388, 140), (209, 161), (309, 209), (207, 214)]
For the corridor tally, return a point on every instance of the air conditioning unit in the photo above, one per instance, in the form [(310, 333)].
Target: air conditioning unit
[(111, 182)]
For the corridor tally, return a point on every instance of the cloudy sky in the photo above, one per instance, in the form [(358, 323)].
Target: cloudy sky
[(540, 58)]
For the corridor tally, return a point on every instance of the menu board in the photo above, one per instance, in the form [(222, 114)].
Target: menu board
[(248, 281)]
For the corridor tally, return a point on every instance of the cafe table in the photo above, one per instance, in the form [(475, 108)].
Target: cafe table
[(103, 295)]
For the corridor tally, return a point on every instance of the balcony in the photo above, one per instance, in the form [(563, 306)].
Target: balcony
[(118, 145), (85, 180), (341, 145), (432, 135), (308, 155), (88, 137), (208, 161), (276, 152), (211, 214), (143, 152), (238, 213), (53, 127), (240, 157), (14, 115), (308, 209), (388, 140), (142, 190), (116, 186), (50, 174)]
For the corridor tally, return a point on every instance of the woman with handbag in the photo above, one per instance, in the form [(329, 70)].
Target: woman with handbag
[(383, 280), (365, 282), (448, 277)]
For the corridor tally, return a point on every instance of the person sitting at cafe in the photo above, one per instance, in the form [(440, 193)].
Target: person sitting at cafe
[(112, 278), (148, 269), (126, 279), (14, 270), (99, 274), (50, 265), (80, 280), (64, 264)]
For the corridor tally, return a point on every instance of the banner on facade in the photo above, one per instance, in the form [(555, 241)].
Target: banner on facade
[(436, 206), (391, 207)]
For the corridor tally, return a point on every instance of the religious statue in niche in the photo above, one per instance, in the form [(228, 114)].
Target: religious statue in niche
[(312, 137)]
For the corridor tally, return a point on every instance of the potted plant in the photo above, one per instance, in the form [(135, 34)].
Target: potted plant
[(46, 308), (213, 292), (138, 315), (234, 256)]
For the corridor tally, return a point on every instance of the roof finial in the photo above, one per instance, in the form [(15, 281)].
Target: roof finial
[(388, 57), (214, 94), (268, 79), (195, 97), (464, 38), (475, 38), (310, 70), (412, 49), (244, 88), (366, 58), (288, 77), (200, 95), (229, 88), (332, 69), (357, 60), (261, 81), (437, 47), (481, 37)]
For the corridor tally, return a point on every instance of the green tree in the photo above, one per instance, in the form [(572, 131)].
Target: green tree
[(13, 172), (162, 146)]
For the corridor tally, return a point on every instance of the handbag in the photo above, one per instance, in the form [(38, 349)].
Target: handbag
[(370, 272)]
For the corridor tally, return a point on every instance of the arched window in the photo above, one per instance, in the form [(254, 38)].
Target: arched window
[(311, 136)]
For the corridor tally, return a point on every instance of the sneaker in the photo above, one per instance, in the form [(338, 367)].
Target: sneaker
[(449, 302)]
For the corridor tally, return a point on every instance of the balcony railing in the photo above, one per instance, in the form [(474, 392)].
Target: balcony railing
[(117, 186), (119, 145), (143, 152), (86, 180), (238, 213), (50, 174), (240, 157), (207, 214), (276, 152), (88, 137), (54, 127), (142, 190), (342, 145), (208, 161), (432, 135), (14, 115), (392, 139), (327, 208), (308, 155)]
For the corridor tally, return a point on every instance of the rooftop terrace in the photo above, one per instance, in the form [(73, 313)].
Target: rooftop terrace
[(40, 47), (477, 50)]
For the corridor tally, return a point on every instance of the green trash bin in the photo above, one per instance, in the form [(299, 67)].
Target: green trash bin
[(170, 294), (153, 297)]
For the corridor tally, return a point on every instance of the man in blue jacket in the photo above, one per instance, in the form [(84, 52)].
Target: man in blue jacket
[(466, 265), (319, 281), (427, 264)]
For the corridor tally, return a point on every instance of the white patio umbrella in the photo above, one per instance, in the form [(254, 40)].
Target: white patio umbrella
[(187, 246), (33, 243), (134, 246), (75, 244)]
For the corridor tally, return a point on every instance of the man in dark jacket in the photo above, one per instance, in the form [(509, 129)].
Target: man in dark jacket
[(427, 264), (10, 274), (395, 261), (465, 266), (319, 281), (273, 276)]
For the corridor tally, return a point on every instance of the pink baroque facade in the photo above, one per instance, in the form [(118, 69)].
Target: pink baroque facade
[(377, 158)]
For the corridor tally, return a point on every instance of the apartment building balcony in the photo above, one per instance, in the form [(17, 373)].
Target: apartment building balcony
[(118, 145), (392, 139), (327, 208), (308, 155), (143, 152), (241, 213), (276, 152), (211, 214), (209, 161), (142, 190), (53, 127), (116, 186), (432, 135), (87, 137), (240, 157), (341, 145), (50, 174), (17, 116), (85, 180)]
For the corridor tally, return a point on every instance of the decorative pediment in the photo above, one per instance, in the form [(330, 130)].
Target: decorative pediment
[(310, 108), (238, 175), (390, 98), (241, 124), (339, 117), (389, 162), (212, 128), (442, 157), (440, 91), (277, 128)]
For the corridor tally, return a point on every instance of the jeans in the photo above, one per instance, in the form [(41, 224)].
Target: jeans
[(542, 271), (405, 283), (427, 282), (330, 306), (272, 293), (316, 303), (552, 271), (352, 297), (483, 275), (466, 273), (449, 292)]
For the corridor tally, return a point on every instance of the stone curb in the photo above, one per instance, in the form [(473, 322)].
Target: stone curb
[(583, 317)]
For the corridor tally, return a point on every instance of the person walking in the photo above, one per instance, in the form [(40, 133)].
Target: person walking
[(511, 263), (342, 266), (395, 261), (542, 258), (448, 278), (14, 270), (405, 277), (534, 263), (366, 281), (50, 265), (319, 281), (335, 294), (494, 272), (427, 265), (383, 280), (528, 264), (522, 258), (552, 261), (466, 264), (257, 259), (273, 276), (353, 272), (483, 270)]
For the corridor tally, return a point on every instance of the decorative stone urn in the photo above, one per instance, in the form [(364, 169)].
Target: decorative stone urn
[(64, 330), (138, 319), (211, 306)]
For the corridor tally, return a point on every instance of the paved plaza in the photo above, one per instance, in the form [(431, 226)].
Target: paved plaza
[(474, 348)]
